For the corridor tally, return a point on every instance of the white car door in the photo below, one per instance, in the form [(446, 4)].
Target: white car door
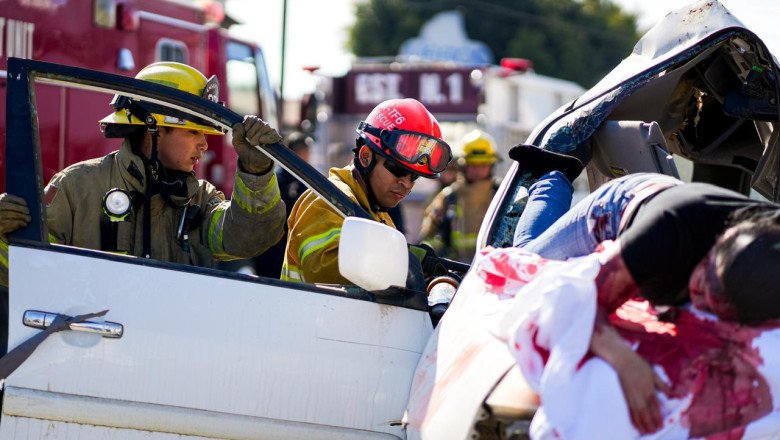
[(203, 354)]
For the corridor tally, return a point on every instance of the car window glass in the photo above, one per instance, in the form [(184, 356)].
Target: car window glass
[(242, 95), (172, 50)]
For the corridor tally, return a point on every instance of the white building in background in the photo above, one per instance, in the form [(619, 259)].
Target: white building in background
[(517, 99)]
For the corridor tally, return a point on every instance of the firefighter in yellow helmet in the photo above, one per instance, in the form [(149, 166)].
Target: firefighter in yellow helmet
[(144, 200), (452, 220)]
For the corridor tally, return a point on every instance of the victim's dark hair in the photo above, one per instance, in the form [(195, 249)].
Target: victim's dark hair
[(749, 255)]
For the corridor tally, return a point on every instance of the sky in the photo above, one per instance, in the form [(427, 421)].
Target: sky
[(317, 31), (316, 36)]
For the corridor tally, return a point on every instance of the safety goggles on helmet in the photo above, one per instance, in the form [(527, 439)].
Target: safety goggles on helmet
[(398, 170), (412, 147)]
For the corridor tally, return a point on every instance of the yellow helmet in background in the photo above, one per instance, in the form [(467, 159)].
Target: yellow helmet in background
[(178, 76), (478, 149)]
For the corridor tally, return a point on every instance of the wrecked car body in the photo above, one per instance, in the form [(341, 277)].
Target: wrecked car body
[(697, 98)]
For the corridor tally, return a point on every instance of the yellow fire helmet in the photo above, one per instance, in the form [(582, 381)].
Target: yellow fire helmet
[(179, 76), (478, 149)]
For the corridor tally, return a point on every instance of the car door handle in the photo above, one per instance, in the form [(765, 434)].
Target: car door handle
[(42, 320)]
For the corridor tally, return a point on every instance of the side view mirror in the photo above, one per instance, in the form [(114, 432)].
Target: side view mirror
[(372, 255)]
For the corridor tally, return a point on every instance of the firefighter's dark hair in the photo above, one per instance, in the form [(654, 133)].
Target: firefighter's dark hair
[(122, 130)]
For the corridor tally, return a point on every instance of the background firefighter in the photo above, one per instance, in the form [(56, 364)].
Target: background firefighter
[(452, 220)]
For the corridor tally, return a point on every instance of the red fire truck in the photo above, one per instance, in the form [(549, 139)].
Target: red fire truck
[(123, 36)]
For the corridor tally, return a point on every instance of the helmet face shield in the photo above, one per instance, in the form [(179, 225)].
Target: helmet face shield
[(411, 147)]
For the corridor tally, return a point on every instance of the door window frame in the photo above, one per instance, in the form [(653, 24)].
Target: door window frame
[(24, 179)]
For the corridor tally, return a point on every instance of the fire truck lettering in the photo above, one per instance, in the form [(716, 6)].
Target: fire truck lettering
[(455, 84), (30, 31), (434, 91), (430, 89), (17, 38), (372, 88), (2, 34), (9, 39)]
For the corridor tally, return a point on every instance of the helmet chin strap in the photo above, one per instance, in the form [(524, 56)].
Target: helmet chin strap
[(154, 168), (168, 187), (151, 170)]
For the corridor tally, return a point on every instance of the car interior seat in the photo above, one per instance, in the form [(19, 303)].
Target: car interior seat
[(625, 147)]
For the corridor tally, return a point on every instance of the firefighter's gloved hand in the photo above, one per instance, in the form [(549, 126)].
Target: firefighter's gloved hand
[(253, 131), (13, 214), (428, 259)]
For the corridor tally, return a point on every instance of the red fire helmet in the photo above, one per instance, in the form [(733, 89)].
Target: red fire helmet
[(406, 131)]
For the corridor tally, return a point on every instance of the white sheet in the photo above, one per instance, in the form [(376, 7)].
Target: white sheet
[(548, 327)]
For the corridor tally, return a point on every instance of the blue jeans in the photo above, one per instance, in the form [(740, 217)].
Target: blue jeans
[(547, 227)]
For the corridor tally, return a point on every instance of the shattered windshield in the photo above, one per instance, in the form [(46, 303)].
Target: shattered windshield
[(711, 100)]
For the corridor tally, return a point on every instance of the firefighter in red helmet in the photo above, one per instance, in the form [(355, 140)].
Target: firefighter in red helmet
[(397, 143)]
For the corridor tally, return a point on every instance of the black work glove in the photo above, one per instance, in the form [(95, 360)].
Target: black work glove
[(428, 260), (246, 135), (14, 214)]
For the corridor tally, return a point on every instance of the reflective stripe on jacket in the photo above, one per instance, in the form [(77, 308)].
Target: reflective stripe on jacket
[(314, 228)]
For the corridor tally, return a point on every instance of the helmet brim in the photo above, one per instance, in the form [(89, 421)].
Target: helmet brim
[(120, 117)]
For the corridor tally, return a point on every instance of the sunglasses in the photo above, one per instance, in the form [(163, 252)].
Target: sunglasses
[(412, 147), (398, 170)]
